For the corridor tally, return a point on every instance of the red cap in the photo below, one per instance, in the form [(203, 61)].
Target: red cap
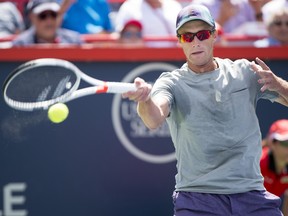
[(134, 23), (279, 130)]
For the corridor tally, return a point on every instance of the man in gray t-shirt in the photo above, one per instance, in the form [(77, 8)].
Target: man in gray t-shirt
[(210, 107)]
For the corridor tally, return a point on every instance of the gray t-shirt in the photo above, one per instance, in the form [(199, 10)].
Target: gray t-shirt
[(214, 127)]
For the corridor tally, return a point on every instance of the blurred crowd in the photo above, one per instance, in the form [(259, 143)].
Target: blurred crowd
[(261, 23)]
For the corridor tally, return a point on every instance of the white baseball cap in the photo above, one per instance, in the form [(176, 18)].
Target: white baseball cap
[(38, 6)]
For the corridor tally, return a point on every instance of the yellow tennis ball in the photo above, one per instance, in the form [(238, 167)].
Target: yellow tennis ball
[(58, 112)]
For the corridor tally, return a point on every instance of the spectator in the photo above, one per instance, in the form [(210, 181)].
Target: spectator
[(156, 16), (275, 18), (274, 160), (44, 29), (228, 13), (87, 16), (131, 33), (11, 20)]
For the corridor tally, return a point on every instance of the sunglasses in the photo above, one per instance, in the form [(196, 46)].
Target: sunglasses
[(280, 23), (189, 37), (45, 15), (284, 143)]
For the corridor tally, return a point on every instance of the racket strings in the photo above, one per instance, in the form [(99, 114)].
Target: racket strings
[(40, 86)]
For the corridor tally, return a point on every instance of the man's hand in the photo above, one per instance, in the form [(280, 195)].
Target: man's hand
[(152, 113), (267, 78), (143, 91), (271, 82)]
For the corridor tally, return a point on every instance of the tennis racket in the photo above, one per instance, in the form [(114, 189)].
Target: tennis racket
[(40, 83)]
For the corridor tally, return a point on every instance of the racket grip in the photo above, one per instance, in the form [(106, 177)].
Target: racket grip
[(120, 87)]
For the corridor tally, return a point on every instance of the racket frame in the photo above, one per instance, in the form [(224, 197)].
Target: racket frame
[(98, 87)]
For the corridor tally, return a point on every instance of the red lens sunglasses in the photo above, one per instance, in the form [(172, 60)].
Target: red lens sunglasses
[(189, 37)]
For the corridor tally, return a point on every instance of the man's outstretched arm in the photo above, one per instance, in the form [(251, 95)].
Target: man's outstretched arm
[(152, 111)]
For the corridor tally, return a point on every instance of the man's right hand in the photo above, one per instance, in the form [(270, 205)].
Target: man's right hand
[(142, 94)]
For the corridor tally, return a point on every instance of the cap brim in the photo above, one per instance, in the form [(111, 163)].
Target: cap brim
[(280, 137), (48, 6), (193, 19)]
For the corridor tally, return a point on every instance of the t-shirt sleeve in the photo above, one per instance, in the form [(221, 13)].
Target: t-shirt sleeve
[(163, 87)]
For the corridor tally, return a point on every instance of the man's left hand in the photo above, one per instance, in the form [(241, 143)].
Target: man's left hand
[(267, 78)]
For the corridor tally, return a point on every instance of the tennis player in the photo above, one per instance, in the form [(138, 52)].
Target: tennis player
[(209, 104)]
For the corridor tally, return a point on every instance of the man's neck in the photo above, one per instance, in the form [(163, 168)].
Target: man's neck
[(208, 67)]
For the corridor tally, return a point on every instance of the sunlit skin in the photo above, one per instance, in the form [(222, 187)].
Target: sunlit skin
[(280, 33), (45, 29), (199, 54)]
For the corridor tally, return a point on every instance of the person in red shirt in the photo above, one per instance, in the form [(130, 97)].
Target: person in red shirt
[(274, 161)]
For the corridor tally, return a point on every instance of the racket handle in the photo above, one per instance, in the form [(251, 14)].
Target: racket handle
[(120, 87)]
